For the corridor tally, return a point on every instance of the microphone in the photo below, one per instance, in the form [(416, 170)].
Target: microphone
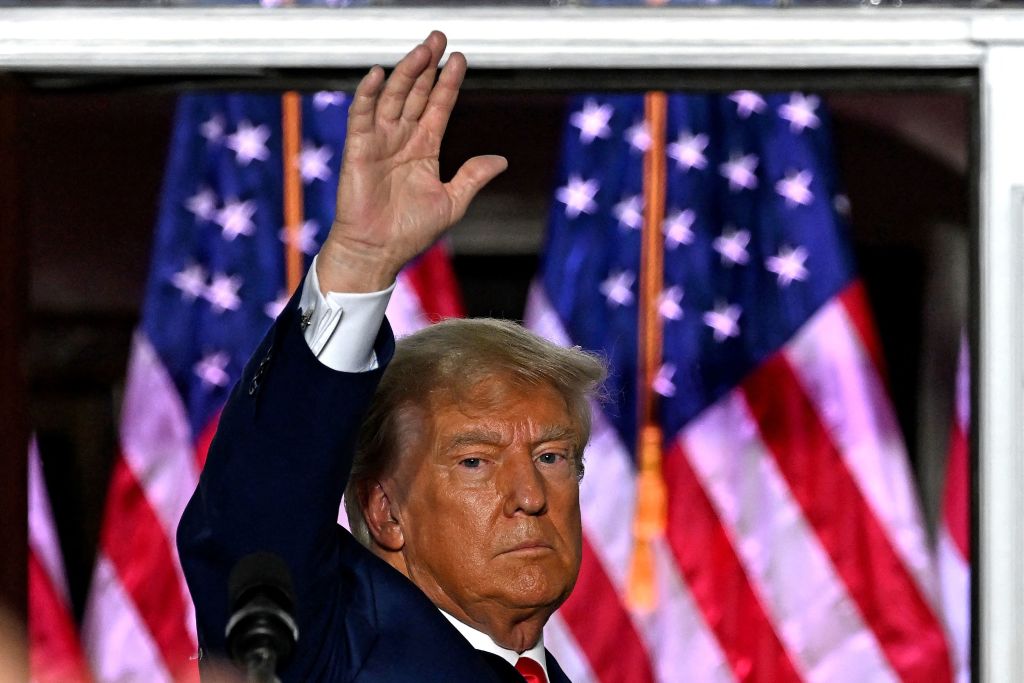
[(261, 632)]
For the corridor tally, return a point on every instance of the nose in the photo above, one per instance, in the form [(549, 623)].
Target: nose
[(522, 486)]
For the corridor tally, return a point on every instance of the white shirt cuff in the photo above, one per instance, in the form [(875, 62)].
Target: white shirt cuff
[(341, 328)]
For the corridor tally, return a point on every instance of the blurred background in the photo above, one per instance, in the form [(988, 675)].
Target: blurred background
[(903, 157)]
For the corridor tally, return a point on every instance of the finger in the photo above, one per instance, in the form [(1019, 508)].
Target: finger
[(443, 96), (417, 99), (400, 82), (364, 101), (470, 179)]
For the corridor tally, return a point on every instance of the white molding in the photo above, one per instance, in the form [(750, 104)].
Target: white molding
[(1000, 376), (75, 38)]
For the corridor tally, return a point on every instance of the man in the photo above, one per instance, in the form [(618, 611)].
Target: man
[(464, 487)]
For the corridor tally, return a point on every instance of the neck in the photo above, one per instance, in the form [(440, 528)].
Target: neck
[(518, 634), (516, 629)]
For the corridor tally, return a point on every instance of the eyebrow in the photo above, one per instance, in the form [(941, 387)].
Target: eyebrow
[(559, 433), (487, 437), (472, 437)]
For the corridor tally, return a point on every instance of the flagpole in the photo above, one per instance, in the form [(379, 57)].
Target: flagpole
[(651, 503), (291, 133)]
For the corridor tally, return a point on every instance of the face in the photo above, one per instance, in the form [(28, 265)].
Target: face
[(489, 505)]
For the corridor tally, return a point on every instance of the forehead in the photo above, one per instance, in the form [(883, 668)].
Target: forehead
[(499, 400)]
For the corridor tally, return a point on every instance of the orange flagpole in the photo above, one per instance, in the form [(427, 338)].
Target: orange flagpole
[(291, 133), (651, 503)]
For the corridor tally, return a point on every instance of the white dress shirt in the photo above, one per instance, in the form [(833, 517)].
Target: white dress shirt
[(482, 641), (340, 330)]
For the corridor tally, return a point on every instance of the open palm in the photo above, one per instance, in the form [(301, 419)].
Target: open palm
[(392, 203)]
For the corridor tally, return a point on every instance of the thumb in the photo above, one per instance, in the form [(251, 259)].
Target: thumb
[(470, 179)]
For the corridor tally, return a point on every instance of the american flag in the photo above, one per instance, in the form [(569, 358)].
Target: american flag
[(794, 547), (55, 653), (216, 283), (954, 538)]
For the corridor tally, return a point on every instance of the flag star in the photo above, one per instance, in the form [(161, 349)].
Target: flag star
[(732, 245), (203, 204), (212, 369), (740, 171), (795, 187), (191, 280), (747, 102), (274, 308), (678, 228), (788, 265), (724, 320), (236, 218), (800, 111), (662, 383), (668, 303), (638, 136), (213, 128), (592, 121), (617, 289), (249, 142), (688, 151), (305, 237), (578, 196), (328, 98), (223, 293), (629, 212), (313, 162)]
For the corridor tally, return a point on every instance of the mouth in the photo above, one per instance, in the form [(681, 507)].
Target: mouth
[(528, 547)]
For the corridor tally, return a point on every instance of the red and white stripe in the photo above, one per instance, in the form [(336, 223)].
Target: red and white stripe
[(139, 621), (431, 280), (794, 548), (954, 546), (425, 292), (55, 654), (837, 359)]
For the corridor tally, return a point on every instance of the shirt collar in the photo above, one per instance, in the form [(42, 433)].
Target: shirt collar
[(481, 641)]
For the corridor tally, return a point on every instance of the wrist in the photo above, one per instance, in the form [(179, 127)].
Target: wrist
[(341, 268)]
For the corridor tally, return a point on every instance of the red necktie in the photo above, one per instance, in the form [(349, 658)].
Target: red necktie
[(531, 670)]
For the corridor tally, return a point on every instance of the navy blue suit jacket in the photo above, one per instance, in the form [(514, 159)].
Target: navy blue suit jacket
[(273, 482)]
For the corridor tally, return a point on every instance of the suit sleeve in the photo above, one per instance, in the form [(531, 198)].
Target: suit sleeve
[(273, 482)]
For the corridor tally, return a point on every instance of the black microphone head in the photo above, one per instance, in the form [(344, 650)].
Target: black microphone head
[(265, 573), (261, 632)]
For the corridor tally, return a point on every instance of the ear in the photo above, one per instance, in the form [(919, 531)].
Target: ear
[(380, 517)]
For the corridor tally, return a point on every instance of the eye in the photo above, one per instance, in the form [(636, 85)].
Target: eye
[(471, 463), (550, 458)]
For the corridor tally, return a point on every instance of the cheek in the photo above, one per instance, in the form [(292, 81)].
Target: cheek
[(564, 506), (462, 524), (570, 526)]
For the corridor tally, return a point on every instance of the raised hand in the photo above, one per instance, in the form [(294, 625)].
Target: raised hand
[(391, 202)]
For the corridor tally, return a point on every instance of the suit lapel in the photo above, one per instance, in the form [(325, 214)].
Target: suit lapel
[(505, 672), (555, 673)]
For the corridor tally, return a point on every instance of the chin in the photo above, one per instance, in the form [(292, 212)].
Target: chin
[(534, 587)]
